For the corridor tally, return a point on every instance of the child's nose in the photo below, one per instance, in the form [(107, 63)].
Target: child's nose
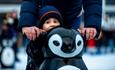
[(53, 24)]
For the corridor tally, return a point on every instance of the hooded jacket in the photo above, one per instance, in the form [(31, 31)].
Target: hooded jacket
[(70, 10)]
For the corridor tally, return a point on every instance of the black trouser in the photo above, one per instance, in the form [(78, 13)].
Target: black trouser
[(33, 64)]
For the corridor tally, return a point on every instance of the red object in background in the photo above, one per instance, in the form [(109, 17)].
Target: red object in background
[(91, 43)]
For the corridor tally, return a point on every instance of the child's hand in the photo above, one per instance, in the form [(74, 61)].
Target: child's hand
[(90, 33), (32, 32)]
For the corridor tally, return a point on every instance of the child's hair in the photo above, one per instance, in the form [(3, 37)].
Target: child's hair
[(49, 12)]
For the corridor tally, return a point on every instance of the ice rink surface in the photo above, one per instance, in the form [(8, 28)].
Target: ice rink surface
[(100, 62), (93, 62)]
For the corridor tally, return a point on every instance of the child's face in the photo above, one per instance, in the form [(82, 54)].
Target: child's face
[(50, 23)]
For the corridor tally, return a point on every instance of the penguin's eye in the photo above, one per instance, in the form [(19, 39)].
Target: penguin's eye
[(79, 41), (55, 41)]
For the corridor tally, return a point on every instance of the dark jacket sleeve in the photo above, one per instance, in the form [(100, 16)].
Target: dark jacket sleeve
[(93, 14), (34, 48), (28, 14)]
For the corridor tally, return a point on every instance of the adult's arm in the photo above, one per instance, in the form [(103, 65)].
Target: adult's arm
[(93, 14), (28, 14)]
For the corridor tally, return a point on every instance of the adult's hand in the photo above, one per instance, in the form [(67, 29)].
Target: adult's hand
[(90, 33), (32, 32)]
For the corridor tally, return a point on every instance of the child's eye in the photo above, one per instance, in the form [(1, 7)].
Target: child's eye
[(47, 22), (55, 21)]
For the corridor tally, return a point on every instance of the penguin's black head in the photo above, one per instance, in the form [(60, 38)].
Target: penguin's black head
[(65, 42)]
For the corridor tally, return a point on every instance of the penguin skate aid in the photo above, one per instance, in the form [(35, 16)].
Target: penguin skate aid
[(63, 50)]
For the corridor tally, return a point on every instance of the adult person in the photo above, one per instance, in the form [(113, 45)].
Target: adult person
[(70, 11)]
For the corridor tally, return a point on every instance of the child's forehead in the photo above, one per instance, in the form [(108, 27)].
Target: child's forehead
[(52, 18)]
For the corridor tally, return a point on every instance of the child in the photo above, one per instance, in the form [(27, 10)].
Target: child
[(50, 18)]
